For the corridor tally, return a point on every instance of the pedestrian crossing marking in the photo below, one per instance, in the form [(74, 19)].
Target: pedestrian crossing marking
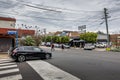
[(50, 72), (9, 70)]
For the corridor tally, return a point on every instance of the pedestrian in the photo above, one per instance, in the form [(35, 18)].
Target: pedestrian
[(52, 47), (62, 46)]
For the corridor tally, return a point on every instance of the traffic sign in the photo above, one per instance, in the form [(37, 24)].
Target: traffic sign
[(12, 32)]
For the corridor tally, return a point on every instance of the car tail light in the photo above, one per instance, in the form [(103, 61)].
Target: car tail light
[(14, 52)]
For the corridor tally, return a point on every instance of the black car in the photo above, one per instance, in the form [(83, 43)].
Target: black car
[(27, 52)]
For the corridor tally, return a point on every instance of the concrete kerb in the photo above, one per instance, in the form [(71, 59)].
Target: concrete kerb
[(96, 49), (4, 55), (100, 49)]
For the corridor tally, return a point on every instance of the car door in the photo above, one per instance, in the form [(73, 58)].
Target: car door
[(38, 52), (29, 52)]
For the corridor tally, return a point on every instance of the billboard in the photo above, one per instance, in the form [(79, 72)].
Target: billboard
[(82, 29)]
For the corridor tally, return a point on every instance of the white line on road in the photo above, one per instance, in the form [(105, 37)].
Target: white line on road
[(5, 60), (4, 64), (9, 71), (14, 77), (9, 66), (50, 72)]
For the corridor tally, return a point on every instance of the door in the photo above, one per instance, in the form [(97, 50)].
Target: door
[(38, 52)]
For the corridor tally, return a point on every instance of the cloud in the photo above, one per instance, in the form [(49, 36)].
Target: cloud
[(73, 13)]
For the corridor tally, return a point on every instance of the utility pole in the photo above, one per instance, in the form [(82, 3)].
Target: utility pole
[(106, 22)]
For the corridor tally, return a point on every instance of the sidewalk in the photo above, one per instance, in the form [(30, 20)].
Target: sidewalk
[(96, 49), (4, 55), (100, 49)]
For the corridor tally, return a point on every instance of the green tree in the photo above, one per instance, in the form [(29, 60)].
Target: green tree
[(65, 39), (43, 38), (29, 41), (56, 39), (90, 37), (48, 38)]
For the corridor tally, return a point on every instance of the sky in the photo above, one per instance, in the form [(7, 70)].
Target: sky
[(58, 15)]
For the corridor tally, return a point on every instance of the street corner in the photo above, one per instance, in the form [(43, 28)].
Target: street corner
[(4, 55)]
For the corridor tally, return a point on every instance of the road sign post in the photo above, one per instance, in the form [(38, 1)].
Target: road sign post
[(14, 33)]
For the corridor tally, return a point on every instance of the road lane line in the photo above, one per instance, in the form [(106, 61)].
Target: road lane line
[(50, 72)]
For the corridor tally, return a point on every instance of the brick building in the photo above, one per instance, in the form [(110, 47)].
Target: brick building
[(7, 40), (115, 39)]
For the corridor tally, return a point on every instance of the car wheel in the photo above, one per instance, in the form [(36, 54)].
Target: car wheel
[(21, 58), (47, 56)]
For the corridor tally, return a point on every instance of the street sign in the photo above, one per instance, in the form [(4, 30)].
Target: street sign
[(15, 33), (12, 32)]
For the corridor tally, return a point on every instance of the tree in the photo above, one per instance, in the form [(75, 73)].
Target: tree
[(89, 37), (100, 32), (43, 38), (56, 39), (65, 39), (37, 39), (29, 41), (48, 38)]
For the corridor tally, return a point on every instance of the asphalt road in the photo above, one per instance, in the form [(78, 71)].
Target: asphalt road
[(27, 72), (88, 65)]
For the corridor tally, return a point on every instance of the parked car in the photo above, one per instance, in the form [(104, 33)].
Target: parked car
[(48, 44), (23, 53), (100, 45), (43, 44), (65, 46), (89, 47), (57, 45)]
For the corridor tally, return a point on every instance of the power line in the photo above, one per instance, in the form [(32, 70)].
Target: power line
[(50, 7), (48, 18), (114, 19)]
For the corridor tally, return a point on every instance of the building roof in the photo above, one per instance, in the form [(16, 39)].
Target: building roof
[(74, 34), (57, 33), (71, 34), (7, 19)]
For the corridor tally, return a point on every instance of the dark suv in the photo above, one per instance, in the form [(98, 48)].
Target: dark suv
[(25, 52)]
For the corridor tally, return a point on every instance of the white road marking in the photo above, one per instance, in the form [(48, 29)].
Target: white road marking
[(5, 60), (50, 72), (4, 65), (14, 77), (9, 71), (10, 66)]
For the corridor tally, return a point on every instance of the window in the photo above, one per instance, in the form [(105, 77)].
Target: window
[(28, 48), (37, 49)]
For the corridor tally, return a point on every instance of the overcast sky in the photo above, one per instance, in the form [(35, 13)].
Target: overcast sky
[(58, 15)]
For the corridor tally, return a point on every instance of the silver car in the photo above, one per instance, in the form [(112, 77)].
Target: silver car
[(89, 47)]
